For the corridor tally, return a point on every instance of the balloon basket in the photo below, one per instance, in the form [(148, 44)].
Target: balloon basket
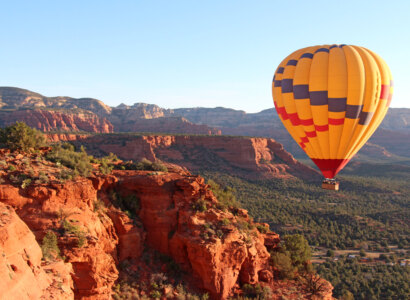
[(330, 184)]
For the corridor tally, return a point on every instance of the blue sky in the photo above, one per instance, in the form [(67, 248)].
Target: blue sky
[(186, 53)]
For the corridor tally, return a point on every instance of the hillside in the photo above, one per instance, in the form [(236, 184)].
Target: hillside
[(129, 234)]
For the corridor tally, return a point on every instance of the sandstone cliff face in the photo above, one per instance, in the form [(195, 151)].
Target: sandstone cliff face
[(138, 111), (47, 206), (175, 229), (23, 275), (248, 157), (46, 120), (165, 124)]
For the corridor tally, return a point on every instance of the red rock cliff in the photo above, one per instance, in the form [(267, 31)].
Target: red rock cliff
[(47, 120), (23, 275), (248, 157)]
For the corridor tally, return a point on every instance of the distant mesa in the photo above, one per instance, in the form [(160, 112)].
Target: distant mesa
[(91, 115)]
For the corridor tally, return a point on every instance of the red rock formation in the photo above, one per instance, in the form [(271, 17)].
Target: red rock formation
[(47, 120), (213, 245), (218, 248), (248, 157), (44, 207), (23, 276), (165, 125)]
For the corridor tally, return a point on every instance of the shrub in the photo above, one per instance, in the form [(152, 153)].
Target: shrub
[(21, 137), (42, 178), (155, 294), (297, 247), (362, 253), (199, 205), (66, 155), (68, 227), (225, 195), (261, 228), (158, 166), (26, 183), (225, 222), (283, 263), (49, 246), (129, 203), (106, 163), (256, 291), (105, 167), (147, 165), (144, 165)]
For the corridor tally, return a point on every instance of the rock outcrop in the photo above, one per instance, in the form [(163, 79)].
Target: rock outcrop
[(247, 157), (23, 275), (176, 215)]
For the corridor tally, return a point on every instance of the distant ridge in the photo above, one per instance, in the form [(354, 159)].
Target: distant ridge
[(143, 117)]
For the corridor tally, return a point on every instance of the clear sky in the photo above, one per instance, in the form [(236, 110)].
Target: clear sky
[(186, 53)]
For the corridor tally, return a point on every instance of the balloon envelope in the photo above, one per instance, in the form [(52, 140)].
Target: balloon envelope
[(331, 99)]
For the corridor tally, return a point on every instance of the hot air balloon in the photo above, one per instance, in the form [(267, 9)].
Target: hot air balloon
[(331, 99)]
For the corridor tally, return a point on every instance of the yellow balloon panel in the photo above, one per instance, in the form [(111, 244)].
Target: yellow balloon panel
[(331, 99)]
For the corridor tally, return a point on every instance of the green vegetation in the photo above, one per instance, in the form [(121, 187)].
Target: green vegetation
[(107, 163), (380, 281), (256, 291), (129, 203), (293, 255), (226, 197), (145, 165), (366, 211), (199, 205), (21, 137), (369, 212), (282, 262), (160, 284), (65, 154), (297, 248), (49, 246), (70, 228)]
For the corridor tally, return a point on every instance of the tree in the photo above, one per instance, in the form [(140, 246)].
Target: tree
[(298, 249), (283, 263), (330, 253), (21, 137), (49, 246)]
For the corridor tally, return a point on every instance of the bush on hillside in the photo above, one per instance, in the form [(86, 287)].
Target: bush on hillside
[(297, 247), (225, 196), (49, 246), (294, 254), (21, 137), (145, 165), (66, 155)]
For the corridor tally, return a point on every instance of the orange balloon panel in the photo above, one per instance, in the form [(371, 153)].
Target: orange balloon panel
[(331, 99)]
